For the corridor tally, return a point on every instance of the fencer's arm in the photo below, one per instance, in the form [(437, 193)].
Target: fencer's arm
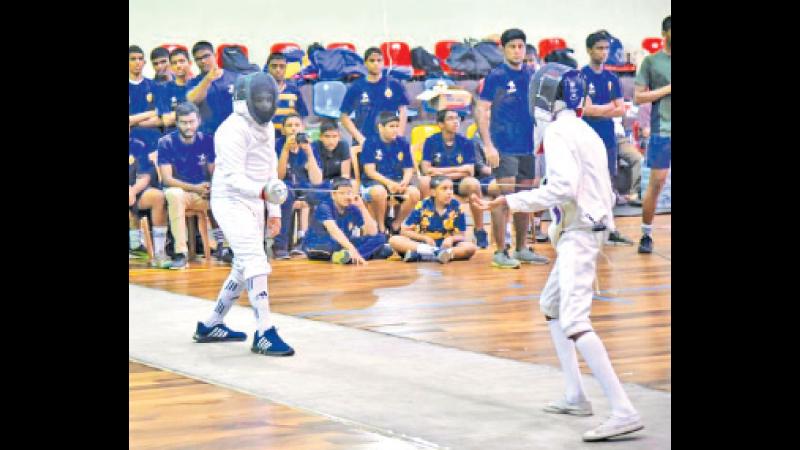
[(562, 180), (232, 147)]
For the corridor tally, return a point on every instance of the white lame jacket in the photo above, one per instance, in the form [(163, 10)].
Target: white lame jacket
[(245, 158), (578, 182)]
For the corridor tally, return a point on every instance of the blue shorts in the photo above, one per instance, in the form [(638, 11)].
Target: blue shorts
[(659, 152)]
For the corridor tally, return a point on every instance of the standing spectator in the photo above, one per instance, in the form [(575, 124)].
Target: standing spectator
[(290, 101), (142, 116), (174, 91)]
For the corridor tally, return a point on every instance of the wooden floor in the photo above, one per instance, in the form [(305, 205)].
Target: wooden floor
[(469, 305)]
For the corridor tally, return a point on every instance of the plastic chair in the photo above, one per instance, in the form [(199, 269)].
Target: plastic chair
[(549, 44), (398, 54), (652, 44), (347, 45), (418, 136), (280, 47), (327, 98)]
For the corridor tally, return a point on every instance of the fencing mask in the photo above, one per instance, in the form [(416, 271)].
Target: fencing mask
[(260, 91), (552, 88)]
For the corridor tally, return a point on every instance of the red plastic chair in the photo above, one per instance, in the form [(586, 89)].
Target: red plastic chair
[(334, 45), (171, 47), (398, 53), (548, 45), (442, 51), (652, 44), (280, 47), (222, 47)]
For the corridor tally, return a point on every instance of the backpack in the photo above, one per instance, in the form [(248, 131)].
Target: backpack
[(464, 58), (491, 52), (313, 48), (335, 64), (562, 56), (234, 59), (422, 59)]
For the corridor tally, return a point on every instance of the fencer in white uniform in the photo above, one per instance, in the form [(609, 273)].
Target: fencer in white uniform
[(578, 193), (245, 176)]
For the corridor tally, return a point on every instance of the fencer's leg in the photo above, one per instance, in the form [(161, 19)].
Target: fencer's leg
[(259, 298), (231, 290)]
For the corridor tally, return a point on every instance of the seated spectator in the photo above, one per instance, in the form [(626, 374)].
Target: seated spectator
[(332, 235), (142, 196), (299, 168), (452, 155), (290, 101), (142, 93), (174, 91), (334, 153), (435, 229), (388, 169), (186, 159)]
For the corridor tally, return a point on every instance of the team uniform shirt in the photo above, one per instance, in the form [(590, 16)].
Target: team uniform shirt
[(654, 73), (218, 104), (347, 221), (389, 159), (368, 99), (331, 160), (189, 161), (440, 155), (296, 172), (510, 125), (289, 101), (602, 88), (143, 96), (169, 97), (426, 220), (138, 161)]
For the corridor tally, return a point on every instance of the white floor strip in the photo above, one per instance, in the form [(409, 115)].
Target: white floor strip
[(430, 395)]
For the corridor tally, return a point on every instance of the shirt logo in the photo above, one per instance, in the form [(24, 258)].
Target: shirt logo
[(149, 97), (459, 158), (437, 158), (174, 102), (378, 155), (202, 159), (511, 87), (609, 86), (131, 160), (364, 98), (400, 156), (230, 89), (591, 89)]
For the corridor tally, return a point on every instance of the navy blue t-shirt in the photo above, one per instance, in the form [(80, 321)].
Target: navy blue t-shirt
[(331, 160), (348, 221), (439, 155), (389, 159), (602, 88), (368, 99), (510, 125), (141, 97), (138, 161), (296, 172), (188, 160), (218, 104)]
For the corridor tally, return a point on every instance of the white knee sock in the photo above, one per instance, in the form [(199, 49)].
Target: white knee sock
[(218, 235), (647, 229), (159, 241), (565, 348), (231, 289), (259, 299), (134, 238), (594, 352)]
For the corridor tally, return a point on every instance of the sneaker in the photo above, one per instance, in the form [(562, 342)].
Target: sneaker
[(481, 239), (340, 257), (528, 256), (646, 244), (503, 261), (297, 250), (179, 262), (615, 238), (384, 252), (445, 256), (614, 426), (160, 263), (282, 254), (412, 256), (217, 333), (583, 408), (270, 344), (139, 252)]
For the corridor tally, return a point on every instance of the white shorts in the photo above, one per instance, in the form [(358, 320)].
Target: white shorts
[(567, 295), (242, 222)]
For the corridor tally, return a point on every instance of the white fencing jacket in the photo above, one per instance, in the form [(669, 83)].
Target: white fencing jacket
[(578, 181), (246, 158)]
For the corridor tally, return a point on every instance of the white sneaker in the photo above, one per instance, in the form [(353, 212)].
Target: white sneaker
[(445, 256), (614, 426), (583, 408)]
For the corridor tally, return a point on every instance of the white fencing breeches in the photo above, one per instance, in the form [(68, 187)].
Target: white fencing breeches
[(242, 222)]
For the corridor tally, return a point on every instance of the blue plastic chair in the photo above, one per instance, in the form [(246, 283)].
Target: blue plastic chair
[(328, 97)]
